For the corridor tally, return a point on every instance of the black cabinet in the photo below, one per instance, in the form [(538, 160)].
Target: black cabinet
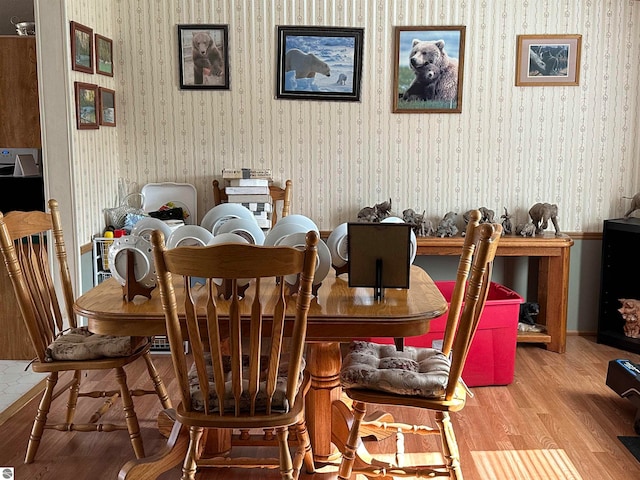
[(618, 279)]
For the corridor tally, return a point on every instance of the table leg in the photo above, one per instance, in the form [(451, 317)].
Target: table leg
[(323, 364), (553, 292)]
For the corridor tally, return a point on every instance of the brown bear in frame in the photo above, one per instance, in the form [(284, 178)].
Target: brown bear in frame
[(207, 58)]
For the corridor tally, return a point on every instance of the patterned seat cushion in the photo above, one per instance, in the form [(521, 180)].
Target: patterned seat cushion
[(415, 371), (279, 403), (81, 344)]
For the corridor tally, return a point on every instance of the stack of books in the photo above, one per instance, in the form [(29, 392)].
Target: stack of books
[(250, 188)]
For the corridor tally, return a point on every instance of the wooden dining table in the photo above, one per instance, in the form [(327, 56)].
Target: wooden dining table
[(338, 313)]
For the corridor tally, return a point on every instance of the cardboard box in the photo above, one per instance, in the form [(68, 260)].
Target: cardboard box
[(491, 359)]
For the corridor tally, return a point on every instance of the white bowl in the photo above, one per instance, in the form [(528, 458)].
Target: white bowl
[(247, 229), (143, 268), (300, 220), (323, 262), (215, 217), (145, 226), (338, 243), (189, 235), (280, 231)]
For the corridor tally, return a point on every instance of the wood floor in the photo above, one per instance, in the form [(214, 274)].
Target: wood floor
[(558, 420)]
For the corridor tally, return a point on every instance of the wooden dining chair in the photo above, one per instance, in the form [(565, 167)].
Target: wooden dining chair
[(278, 194), (242, 376), (26, 240), (421, 378)]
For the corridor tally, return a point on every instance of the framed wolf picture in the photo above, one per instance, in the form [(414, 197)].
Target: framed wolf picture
[(428, 69)]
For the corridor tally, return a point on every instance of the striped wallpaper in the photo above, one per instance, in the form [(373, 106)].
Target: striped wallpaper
[(576, 146)]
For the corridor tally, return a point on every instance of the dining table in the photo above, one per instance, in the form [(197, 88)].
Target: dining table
[(338, 314)]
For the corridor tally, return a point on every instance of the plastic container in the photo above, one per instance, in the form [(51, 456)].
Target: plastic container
[(491, 359)]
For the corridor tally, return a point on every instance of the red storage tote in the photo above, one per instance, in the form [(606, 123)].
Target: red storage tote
[(491, 359)]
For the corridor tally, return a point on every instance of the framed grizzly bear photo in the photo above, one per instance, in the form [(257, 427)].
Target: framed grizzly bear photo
[(319, 63), (428, 68), (204, 57)]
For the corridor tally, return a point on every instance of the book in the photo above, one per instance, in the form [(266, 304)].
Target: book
[(257, 215), (234, 173), (242, 198), (249, 182), (258, 207), (260, 190)]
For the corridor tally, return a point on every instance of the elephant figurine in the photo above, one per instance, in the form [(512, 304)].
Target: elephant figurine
[(540, 215)]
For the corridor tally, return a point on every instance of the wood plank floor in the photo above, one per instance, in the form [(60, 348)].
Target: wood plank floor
[(558, 420)]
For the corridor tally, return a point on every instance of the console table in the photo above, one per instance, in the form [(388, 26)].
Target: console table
[(552, 253)]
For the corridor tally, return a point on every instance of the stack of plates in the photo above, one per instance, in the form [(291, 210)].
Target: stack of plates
[(323, 262), (218, 215), (189, 235)]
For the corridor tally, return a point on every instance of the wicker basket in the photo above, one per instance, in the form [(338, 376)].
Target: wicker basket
[(116, 216)]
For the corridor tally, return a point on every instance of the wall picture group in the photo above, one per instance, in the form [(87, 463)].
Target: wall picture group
[(95, 105)]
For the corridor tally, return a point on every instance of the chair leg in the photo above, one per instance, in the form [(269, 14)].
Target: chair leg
[(304, 444), (190, 465), (286, 465), (130, 414), (41, 418), (158, 384), (349, 454), (74, 391), (449, 445)]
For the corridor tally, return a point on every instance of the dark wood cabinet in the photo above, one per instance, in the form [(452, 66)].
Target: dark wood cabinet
[(19, 108), (618, 279)]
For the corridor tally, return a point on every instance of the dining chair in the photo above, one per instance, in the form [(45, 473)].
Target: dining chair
[(248, 371), (278, 194), (421, 378), (59, 344)]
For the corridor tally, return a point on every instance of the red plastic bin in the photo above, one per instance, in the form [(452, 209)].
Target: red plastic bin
[(492, 355)]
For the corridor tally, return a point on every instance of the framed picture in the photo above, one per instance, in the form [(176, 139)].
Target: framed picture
[(548, 60), (428, 68), (319, 63), (204, 57), (86, 106), (104, 55), (81, 48), (107, 111)]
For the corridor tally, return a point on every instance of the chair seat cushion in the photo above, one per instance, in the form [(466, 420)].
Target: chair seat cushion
[(415, 371), (279, 402), (81, 344)]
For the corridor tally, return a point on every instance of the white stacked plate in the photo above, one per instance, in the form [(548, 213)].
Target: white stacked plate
[(280, 231), (218, 215), (247, 229), (189, 235), (338, 244), (323, 262), (143, 267), (145, 226), (306, 222)]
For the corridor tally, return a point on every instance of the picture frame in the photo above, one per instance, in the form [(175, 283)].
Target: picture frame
[(548, 60), (81, 48), (86, 105), (428, 69), (203, 56), (329, 60), (104, 55), (107, 110)]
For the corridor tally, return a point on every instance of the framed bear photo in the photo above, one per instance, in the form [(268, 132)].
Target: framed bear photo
[(428, 69), (319, 63), (204, 57)]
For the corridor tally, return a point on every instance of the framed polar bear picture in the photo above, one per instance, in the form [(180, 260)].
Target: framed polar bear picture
[(428, 68), (204, 57), (319, 63)]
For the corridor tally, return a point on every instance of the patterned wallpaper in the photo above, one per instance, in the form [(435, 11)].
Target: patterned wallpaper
[(576, 146)]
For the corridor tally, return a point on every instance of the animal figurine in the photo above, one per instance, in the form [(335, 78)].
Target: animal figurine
[(540, 215), (377, 213), (507, 225), (526, 230), (635, 205), (421, 225), (447, 226), (487, 215), (630, 310)]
